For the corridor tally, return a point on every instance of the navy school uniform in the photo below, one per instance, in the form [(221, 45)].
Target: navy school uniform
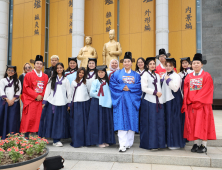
[(9, 115), (79, 113), (172, 99), (141, 73), (54, 122), (152, 117), (100, 126)]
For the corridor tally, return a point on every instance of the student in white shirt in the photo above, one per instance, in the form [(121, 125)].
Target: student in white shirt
[(100, 130), (79, 109), (172, 99), (10, 90), (54, 121), (152, 117)]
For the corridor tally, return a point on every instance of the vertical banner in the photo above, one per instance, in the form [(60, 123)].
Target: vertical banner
[(110, 17), (70, 14), (37, 16), (148, 28)]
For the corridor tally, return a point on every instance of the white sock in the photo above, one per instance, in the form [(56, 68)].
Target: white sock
[(197, 142), (204, 143)]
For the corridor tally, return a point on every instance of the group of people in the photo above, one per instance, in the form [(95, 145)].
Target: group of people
[(89, 104)]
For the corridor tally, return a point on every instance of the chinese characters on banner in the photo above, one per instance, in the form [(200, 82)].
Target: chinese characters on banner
[(108, 17), (188, 18), (108, 21), (108, 2), (37, 5), (147, 1), (70, 16), (147, 20)]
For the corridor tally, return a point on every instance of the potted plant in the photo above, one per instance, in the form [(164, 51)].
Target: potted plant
[(18, 153)]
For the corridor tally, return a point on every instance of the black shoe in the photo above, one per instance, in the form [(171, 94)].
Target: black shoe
[(194, 148), (202, 149)]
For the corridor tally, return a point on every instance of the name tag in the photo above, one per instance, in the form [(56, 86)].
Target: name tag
[(39, 87), (196, 84), (128, 79)]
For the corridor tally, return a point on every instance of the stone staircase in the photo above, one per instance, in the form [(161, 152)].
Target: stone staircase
[(137, 155)]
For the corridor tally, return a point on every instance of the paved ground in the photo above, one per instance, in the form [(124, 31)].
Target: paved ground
[(91, 165)]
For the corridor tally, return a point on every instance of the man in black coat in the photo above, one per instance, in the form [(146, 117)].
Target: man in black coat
[(54, 61)]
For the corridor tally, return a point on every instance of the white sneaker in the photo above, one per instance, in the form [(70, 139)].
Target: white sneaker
[(58, 144), (127, 147), (122, 149)]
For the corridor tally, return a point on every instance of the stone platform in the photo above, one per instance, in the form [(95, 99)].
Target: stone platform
[(182, 157)]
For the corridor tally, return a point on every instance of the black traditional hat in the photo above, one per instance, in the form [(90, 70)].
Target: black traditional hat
[(163, 51), (173, 60), (102, 67), (185, 59), (128, 55), (72, 59), (148, 59), (38, 58), (14, 67), (92, 59), (198, 56)]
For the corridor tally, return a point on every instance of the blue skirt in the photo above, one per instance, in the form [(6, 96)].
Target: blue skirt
[(9, 118), (174, 121), (100, 127), (54, 125), (152, 126), (79, 115)]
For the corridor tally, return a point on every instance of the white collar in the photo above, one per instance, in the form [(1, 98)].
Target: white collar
[(198, 73), (39, 75), (142, 70), (161, 65), (9, 79), (91, 72), (128, 72), (59, 78)]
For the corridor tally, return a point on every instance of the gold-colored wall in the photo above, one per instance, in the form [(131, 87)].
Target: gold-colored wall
[(26, 45), (96, 22), (133, 37), (134, 15), (60, 37), (182, 40)]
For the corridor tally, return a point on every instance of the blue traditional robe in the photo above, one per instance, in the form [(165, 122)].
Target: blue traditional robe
[(126, 104), (70, 75)]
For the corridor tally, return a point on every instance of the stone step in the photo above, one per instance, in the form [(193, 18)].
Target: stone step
[(214, 143), (135, 154)]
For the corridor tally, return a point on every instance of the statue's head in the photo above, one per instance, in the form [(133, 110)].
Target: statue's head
[(88, 40), (111, 34)]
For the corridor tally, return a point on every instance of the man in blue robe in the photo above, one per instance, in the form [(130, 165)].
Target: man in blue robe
[(126, 94)]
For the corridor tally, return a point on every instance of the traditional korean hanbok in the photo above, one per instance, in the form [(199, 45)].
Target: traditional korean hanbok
[(197, 105), (79, 113), (126, 105), (9, 115), (172, 99), (55, 118), (100, 126), (34, 85), (152, 117)]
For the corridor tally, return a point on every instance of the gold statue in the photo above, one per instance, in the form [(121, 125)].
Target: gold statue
[(87, 52), (111, 50)]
